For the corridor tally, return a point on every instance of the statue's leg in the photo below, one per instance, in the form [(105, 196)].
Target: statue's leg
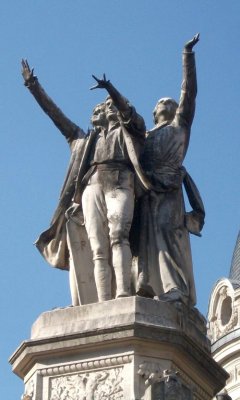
[(73, 285), (94, 210), (120, 206)]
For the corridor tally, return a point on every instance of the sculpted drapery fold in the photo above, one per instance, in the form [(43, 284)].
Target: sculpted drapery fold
[(166, 262)]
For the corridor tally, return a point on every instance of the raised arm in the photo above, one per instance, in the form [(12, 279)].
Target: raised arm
[(129, 117), (70, 130), (186, 108), (120, 101)]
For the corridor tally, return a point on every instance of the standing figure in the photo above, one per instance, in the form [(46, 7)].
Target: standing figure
[(97, 196), (166, 259)]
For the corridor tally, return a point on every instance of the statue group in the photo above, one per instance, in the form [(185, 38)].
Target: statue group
[(121, 227)]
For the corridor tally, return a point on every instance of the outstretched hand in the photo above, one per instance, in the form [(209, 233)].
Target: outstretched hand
[(101, 83), (189, 45), (27, 72)]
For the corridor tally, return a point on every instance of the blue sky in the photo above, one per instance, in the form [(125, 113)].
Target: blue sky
[(138, 44)]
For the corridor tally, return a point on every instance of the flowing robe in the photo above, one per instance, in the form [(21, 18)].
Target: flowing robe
[(167, 252)]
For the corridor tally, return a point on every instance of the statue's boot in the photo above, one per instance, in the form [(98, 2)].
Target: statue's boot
[(123, 283), (103, 279), (122, 261), (172, 295), (143, 288)]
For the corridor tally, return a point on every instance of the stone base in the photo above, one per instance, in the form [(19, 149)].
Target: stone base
[(126, 349)]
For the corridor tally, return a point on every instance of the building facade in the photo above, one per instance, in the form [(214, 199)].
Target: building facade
[(224, 324)]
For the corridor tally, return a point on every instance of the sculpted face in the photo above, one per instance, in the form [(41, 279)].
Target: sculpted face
[(98, 118), (165, 110), (111, 110)]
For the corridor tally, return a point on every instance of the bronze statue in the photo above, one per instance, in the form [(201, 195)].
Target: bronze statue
[(165, 256), (97, 195)]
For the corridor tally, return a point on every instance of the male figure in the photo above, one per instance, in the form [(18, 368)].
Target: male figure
[(101, 181), (168, 261)]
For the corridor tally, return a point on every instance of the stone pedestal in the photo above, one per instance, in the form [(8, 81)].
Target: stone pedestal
[(126, 349)]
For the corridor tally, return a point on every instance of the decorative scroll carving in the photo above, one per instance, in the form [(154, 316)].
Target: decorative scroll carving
[(151, 372), (223, 292), (224, 314), (99, 385), (222, 330)]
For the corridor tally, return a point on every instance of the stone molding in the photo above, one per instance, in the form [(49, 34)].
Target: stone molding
[(91, 379), (86, 365), (224, 310), (134, 345), (234, 374), (122, 312), (224, 330), (95, 378)]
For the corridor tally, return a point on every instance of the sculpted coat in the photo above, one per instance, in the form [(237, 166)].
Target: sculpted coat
[(101, 171)]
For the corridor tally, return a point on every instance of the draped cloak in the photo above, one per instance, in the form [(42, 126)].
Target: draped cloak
[(164, 251)]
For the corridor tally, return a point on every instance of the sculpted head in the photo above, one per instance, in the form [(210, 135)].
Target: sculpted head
[(98, 118), (111, 110), (165, 110)]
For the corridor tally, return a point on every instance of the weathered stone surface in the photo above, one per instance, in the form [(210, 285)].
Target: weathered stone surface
[(118, 354), (123, 312), (169, 387), (224, 330)]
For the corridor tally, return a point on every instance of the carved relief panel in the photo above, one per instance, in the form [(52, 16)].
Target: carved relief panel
[(96, 385)]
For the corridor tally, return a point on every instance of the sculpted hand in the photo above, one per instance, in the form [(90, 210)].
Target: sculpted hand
[(119, 101), (189, 45), (27, 73), (101, 83)]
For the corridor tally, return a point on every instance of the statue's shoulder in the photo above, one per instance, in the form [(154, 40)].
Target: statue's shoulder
[(150, 134), (158, 129), (153, 133)]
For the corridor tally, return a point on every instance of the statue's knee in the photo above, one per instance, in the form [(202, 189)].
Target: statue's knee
[(119, 237), (99, 251)]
